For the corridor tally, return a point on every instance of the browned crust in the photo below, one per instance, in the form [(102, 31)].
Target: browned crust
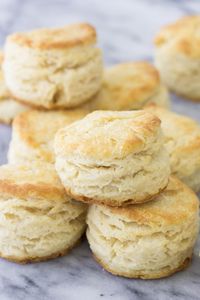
[(175, 28), (46, 191), (151, 214), (56, 38), (39, 259), (145, 88), (157, 275), (111, 202), (182, 37), (83, 141)]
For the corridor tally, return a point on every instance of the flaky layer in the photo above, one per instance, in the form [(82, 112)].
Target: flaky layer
[(59, 78), (151, 240), (165, 272), (112, 157), (121, 182), (44, 228)]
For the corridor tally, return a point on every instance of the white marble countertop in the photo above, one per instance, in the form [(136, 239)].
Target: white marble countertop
[(126, 29)]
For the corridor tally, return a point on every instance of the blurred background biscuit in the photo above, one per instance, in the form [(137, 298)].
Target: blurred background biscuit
[(128, 86), (8, 107), (177, 56), (33, 134), (182, 140), (53, 68)]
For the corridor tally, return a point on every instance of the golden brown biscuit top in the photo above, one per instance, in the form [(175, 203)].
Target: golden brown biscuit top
[(127, 86), (37, 180), (174, 205), (108, 135), (50, 38), (183, 36), (37, 128)]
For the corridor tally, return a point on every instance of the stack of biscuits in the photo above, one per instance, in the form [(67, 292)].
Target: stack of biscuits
[(142, 222), (94, 147)]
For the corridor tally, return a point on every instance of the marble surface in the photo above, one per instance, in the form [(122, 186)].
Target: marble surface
[(126, 29)]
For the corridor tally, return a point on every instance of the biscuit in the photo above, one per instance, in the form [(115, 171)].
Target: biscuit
[(53, 68), (33, 134), (8, 108), (177, 56), (148, 241), (182, 140), (110, 157), (130, 86), (38, 220)]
